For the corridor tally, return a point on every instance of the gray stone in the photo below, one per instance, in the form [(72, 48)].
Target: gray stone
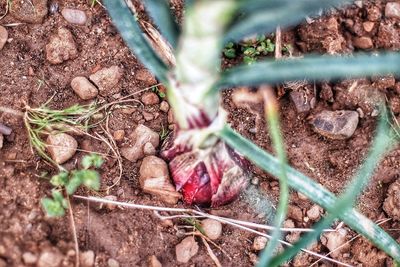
[(259, 243), (212, 228), (87, 258), (336, 124), (84, 88), (3, 37), (112, 263), (74, 16)]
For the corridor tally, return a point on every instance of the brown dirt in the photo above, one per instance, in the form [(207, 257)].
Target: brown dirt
[(131, 236)]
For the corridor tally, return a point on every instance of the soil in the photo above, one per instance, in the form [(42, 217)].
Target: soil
[(132, 236)]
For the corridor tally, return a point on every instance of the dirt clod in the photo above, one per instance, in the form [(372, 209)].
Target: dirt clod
[(74, 16), (3, 36), (146, 77), (392, 10), (33, 11), (392, 201), (333, 240), (84, 88), (154, 179), (119, 135), (61, 47), (140, 137), (107, 80), (61, 147), (336, 124), (212, 228), (150, 98), (186, 249), (259, 243), (164, 106), (363, 42)]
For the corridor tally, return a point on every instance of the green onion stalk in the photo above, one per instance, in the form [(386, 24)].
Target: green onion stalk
[(204, 168)]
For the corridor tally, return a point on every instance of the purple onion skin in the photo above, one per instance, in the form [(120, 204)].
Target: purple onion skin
[(213, 176)]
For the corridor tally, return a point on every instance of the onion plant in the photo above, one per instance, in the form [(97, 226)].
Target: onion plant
[(208, 160)]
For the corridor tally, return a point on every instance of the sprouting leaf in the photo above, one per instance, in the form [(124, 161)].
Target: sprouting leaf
[(248, 60), (73, 183), (92, 160), (230, 52), (52, 207), (90, 179), (60, 179)]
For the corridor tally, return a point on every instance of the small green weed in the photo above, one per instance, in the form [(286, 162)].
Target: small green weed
[(70, 181), (157, 90), (252, 50), (164, 132), (230, 50)]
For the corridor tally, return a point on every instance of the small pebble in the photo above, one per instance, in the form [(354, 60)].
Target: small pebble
[(119, 135), (314, 213), (150, 98), (29, 258), (335, 124), (50, 259), (84, 88), (1, 141), (112, 263), (61, 147), (212, 228), (334, 240), (3, 37), (186, 249), (87, 258), (154, 262), (149, 149), (107, 80), (392, 10), (164, 106), (148, 116), (363, 42), (368, 26), (74, 16), (140, 137), (259, 243)]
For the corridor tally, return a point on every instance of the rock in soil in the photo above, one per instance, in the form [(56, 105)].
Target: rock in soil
[(32, 11), (61, 47), (212, 228), (363, 42), (112, 263), (84, 88), (392, 10), (3, 36), (164, 106), (150, 98), (392, 202), (333, 240), (107, 80), (259, 243), (154, 262), (50, 258), (119, 135), (87, 258), (186, 249), (335, 124), (74, 16), (1, 141), (149, 149), (314, 213), (154, 179), (302, 100), (140, 137), (29, 258), (145, 76), (61, 147)]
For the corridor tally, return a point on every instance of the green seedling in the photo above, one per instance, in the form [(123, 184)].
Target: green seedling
[(70, 182), (254, 49), (157, 90), (230, 50), (163, 133)]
